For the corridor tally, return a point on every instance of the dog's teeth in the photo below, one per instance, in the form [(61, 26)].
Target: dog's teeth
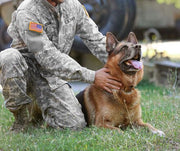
[(127, 63)]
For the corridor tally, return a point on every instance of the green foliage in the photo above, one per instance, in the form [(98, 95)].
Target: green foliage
[(160, 107), (175, 2)]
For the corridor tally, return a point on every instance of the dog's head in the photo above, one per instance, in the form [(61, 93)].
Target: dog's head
[(124, 59)]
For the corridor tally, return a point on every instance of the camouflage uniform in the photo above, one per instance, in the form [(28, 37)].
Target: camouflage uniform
[(38, 66)]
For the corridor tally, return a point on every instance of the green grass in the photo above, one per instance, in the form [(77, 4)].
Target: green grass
[(160, 107)]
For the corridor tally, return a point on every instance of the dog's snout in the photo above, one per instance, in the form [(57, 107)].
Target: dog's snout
[(138, 46), (138, 50)]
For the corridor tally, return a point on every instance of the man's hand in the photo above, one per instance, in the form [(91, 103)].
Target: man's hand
[(105, 81)]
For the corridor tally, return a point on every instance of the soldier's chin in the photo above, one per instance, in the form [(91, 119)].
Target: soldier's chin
[(58, 1)]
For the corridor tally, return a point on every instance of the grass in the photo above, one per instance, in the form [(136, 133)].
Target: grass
[(160, 107)]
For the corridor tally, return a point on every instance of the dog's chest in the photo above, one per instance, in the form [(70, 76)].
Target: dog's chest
[(120, 113)]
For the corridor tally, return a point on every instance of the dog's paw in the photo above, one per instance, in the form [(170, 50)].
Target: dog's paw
[(159, 133)]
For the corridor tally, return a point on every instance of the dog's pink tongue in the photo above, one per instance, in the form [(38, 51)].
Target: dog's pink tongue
[(136, 64)]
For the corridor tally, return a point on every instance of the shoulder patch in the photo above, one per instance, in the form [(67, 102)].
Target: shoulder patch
[(85, 10), (36, 27)]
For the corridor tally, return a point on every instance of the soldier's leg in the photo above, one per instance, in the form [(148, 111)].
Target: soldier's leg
[(13, 67), (59, 107)]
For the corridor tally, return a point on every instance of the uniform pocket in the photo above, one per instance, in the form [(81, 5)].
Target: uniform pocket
[(49, 28), (69, 27)]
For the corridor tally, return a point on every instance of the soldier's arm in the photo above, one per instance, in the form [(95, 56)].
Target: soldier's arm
[(88, 31), (46, 53)]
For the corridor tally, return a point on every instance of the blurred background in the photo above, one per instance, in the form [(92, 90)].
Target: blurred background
[(156, 24)]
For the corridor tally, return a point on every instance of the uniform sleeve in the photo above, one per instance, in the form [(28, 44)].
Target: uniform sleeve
[(88, 31), (47, 55)]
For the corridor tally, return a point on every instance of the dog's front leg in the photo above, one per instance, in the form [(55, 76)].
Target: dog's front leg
[(110, 127), (102, 122), (150, 127)]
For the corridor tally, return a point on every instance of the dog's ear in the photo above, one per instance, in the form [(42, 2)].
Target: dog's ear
[(132, 38), (111, 42)]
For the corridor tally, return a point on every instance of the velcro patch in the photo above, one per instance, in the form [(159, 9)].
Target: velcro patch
[(85, 10), (36, 27)]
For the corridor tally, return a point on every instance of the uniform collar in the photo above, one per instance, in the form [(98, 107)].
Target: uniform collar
[(48, 5)]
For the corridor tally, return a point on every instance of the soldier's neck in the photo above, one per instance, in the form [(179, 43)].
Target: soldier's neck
[(53, 3)]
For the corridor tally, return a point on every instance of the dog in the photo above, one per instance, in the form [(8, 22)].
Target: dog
[(121, 108)]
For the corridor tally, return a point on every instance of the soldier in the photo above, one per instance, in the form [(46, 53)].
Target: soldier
[(37, 65)]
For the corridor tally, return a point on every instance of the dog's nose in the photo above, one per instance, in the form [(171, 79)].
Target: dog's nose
[(138, 46)]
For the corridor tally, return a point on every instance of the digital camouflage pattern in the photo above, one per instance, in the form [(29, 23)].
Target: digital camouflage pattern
[(38, 66)]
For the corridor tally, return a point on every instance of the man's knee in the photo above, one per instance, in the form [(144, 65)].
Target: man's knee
[(12, 63), (9, 56)]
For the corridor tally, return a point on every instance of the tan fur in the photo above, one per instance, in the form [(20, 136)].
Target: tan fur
[(120, 109)]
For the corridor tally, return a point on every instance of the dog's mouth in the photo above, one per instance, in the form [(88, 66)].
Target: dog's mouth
[(132, 62)]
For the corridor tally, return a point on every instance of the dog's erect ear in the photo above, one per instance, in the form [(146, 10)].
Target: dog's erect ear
[(132, 38), (111, 42)]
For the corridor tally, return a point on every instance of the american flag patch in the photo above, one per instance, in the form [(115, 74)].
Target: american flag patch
[(36, 27)]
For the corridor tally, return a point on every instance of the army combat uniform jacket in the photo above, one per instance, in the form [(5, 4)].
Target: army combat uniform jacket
[(38, 64), (52, 46)]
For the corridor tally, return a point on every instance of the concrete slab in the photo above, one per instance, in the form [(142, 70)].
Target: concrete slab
[(78, 86)]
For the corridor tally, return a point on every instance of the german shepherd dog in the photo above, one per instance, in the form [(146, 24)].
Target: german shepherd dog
[(122, 107)]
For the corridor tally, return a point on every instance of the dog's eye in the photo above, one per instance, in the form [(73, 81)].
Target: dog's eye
[(124, 47)]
